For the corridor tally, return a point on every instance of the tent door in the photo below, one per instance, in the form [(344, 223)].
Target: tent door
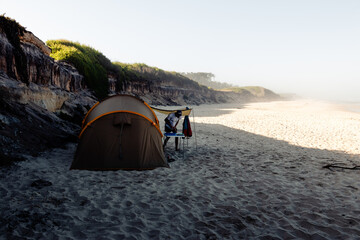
[(120, 120), (121, 156)]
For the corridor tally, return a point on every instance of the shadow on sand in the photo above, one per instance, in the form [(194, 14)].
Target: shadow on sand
[(234, 185)]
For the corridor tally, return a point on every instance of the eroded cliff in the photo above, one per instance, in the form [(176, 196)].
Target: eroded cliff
[(36, 94)]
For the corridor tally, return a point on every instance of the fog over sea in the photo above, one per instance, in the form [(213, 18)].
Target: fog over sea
[(352, 106)]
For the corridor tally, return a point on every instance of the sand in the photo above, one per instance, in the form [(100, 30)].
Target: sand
[(256, 173)]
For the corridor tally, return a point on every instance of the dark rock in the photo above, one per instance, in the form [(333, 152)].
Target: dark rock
[(30, 109), (30, 129)]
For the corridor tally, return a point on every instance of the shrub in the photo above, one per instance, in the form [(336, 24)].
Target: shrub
[(92, 64)]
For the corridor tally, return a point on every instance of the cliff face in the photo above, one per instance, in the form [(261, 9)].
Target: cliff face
[(44, 75), (160, 87), (36, 95), (168, 93), (41, 68)]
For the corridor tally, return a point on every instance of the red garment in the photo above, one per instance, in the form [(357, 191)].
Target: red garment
[(187, 127)]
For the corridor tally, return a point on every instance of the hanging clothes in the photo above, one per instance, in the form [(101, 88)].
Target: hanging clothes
[(187, 127)]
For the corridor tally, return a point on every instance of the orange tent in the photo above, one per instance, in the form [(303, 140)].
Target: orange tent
[(121, 132)]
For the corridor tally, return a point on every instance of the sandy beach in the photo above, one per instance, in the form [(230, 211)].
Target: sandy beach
[(255, 171)]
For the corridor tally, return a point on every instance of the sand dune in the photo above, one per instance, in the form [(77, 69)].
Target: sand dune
[(257, 173)]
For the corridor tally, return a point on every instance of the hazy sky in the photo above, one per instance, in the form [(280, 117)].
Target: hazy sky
[(308, 47)]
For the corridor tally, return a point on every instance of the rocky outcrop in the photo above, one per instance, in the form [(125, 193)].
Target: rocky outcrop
[(29, 37), (41, 69), (49, 83), (42, 101), (159, 87), (168, 94), (181, 93), (28, 128), (163, 88)]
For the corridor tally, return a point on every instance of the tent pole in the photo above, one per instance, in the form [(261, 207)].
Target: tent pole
[(183, 140), (194, 128)]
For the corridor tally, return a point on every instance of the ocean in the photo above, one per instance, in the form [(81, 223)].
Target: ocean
[(351, 106)]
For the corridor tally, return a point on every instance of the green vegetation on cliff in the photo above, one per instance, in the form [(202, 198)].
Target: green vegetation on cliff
[(96, 68), (153, 74), (92, 64), (206, 79), (254, 90)]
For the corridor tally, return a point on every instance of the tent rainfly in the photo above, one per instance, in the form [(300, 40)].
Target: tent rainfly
[(121, 132)]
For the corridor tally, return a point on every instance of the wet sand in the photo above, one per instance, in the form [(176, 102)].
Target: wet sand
[(256, 173)]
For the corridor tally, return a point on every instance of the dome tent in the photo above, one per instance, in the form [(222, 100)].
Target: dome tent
[(121, 132)]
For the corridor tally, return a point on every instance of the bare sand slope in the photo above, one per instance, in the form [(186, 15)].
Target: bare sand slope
[(257, 173)]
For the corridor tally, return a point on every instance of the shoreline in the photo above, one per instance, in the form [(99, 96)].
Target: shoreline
[(352, 107)]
